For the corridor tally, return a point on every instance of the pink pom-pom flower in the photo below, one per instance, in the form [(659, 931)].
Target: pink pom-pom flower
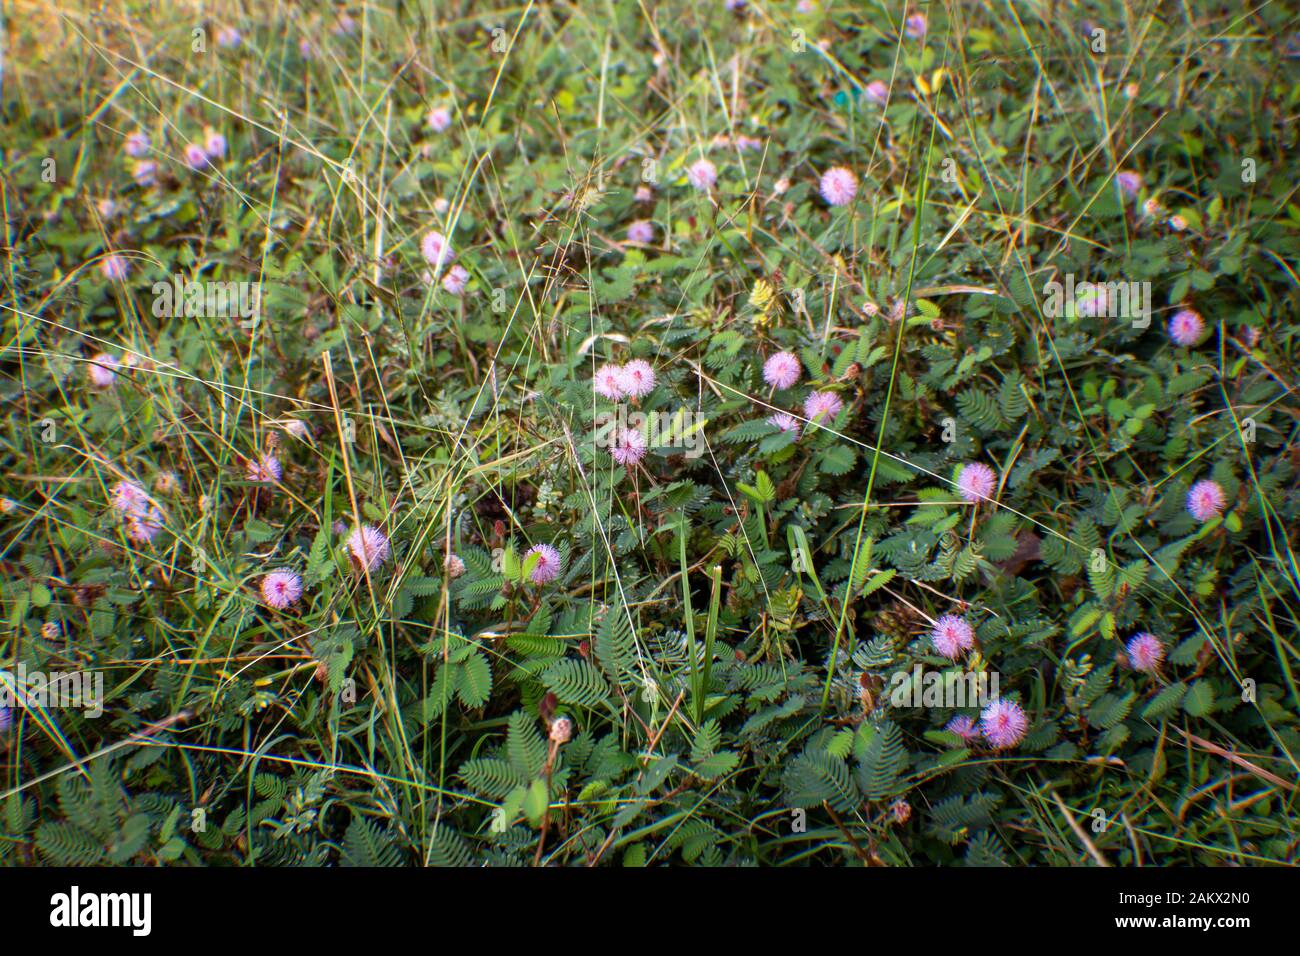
[(608, 381), (964, 727), (976, 481), (214, 144), (264, 470), (781, 370), (368, 547), (127, 497), (1130, 183), (561, 730), (137, 144), (456, 279), (702, 174), (641, 231), (101, 370), (439, 119), (143, 519), (436, 250), (281, 588), (145, 172), (143, 525), (1206, 499), (114, 267), (901, 810), (877, 91), (822, 407), (1145, 652), (1186, 327), (548, 563), (195, 156), (637, 379), (952, 635), (630, 447), (786, 422), (1004, 723), (839, 186), (1092, 302)]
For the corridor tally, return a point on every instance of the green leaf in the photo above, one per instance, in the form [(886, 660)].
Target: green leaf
[(576, 682), (524, 745), (706, 740), (474, 684), (1110, 709), (878, 581), (815, 777), (535, 802), (836, 460), (365, 844), (319, 567), (716, 765), (1199, 701), (881, 761), (763, 490)]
